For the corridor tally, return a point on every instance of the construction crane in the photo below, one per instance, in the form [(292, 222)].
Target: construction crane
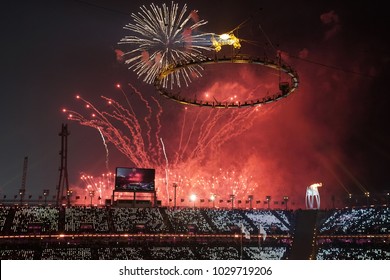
[(22, 189)]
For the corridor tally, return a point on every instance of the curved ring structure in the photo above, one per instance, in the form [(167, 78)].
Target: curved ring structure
[(285, 88)]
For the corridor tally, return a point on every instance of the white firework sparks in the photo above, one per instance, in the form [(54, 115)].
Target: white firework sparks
[(162, 38)]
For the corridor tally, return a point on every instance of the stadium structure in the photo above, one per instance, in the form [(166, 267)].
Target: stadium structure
[(136, 226), (120, 231), (133, 225)]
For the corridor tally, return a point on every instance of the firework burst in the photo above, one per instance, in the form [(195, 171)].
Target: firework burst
[(163, 37), (102, 186), (193, 155)]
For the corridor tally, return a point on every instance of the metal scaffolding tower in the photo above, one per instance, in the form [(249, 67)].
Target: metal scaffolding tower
[(22, 189), (63, 192)]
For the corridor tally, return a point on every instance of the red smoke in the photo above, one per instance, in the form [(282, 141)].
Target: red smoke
[(286, 146)]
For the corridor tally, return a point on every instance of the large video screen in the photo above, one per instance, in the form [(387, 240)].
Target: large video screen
[(134, 179)]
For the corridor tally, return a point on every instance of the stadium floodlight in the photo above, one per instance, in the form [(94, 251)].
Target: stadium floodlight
[(285, 199), (193, 198), (367, 195), (68, 195), (250, 198), (268, 199), (91, 195), (174, 201), (45, 194), (232, 197), (21, 194), (212, 198)]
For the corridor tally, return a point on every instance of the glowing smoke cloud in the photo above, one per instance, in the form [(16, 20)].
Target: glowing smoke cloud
[(165, 36), (196, 164)]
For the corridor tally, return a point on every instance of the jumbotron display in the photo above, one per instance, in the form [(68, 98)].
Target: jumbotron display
[(134, 179)]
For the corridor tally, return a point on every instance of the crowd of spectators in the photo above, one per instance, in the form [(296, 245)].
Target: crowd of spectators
[(86, 219), (74, 253), (342, 233), (171, 253), (352, 253), (219, 253), (3, 216), (16, 254), (81, 219), (275, 221), (147, 219), (191, 252), (188, 219), (120, 253), (356, 221), (42, 219), (266, 253), (225, 220)]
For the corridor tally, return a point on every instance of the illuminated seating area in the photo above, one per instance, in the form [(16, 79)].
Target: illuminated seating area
[(171, 253), (127, 219), (224, 220), (82, 219), (275, 221), (219, 253), (3, 216), (37, 219), (265, 253), (353, 253), (66, 254), (17, 254), (356, 221), (120, 253), (183, 218), (186, 233)]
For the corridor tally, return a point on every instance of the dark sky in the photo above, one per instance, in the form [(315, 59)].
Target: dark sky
[(334, 129)]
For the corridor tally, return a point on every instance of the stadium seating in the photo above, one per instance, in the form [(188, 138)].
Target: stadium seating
[(109, 233)]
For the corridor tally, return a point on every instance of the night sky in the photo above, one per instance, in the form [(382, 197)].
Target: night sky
[(333, 129)]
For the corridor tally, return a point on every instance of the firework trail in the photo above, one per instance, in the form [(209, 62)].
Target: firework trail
[(106, 147), (197, 155), (122, 128), (166, 168), (162, 37), (181, 135), (101, 185)]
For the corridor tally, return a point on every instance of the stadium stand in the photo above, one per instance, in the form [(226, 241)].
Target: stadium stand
[(109, 233)]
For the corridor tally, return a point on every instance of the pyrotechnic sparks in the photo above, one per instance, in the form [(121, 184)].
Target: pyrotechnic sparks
[(121, 127), (102, 186), (106, 147), (195, 161), (219, 183), (162, 37), (166, 168)]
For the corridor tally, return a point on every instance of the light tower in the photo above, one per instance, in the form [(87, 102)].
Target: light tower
[(63, 182), (250, 198), (268, 199), (45, 194), (285, 199), (174, 195), (232, 197), (22, 189)]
